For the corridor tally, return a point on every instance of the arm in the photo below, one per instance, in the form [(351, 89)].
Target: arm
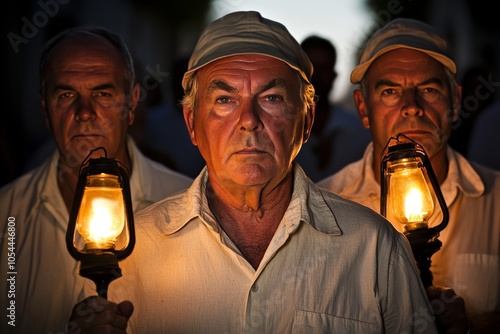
[(406, 307)]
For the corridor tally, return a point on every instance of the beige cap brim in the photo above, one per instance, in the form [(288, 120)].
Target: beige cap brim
[(243, 33), (404, 34)]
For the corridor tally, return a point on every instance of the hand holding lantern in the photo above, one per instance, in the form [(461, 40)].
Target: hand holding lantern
[(101, 225)]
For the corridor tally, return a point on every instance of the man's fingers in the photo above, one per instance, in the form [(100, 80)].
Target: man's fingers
[(126, 308), (96, 312)]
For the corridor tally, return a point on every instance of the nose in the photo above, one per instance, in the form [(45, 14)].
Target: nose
[(250, 117), (411, 105), (84, 110)]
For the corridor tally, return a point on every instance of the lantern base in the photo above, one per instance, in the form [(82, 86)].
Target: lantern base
[(415, 226), (424, 243), (101, 268)]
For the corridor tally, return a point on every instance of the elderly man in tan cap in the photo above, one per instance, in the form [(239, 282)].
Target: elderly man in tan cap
[(254, 246), (406, 85)]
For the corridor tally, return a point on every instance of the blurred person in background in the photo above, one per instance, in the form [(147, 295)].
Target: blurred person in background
[(337, 137)]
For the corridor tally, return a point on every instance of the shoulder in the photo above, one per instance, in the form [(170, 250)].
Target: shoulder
[(344, 177), (166, 215), (346, 206), (22, 193), (162, 171), (351, 215), (365, 230), (490, 177), (158, 180), (26, 182)]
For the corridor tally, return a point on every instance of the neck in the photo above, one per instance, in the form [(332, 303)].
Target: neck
[(250, 227)]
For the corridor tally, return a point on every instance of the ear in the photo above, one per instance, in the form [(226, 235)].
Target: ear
[(134, 100), (309, 121), (189, 119), (361, 108), (457, 101)]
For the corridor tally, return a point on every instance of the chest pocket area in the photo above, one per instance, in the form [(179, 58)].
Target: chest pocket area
[(305, 322)]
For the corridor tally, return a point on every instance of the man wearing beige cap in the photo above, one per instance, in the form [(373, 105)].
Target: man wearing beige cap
[(254, 246), (406, 85)]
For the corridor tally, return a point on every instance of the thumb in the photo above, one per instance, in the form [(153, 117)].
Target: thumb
[(126, 308)]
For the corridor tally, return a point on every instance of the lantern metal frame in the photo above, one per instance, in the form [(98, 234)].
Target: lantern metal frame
[(424, 241), (101, 266)]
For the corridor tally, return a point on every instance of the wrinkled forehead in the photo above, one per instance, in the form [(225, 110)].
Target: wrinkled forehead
[(84, 47), (406, 61), (254, 68)]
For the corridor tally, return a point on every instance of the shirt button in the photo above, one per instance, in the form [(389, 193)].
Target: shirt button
[(255, 288)]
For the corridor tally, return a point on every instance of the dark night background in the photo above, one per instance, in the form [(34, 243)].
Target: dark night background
[(159, 32)]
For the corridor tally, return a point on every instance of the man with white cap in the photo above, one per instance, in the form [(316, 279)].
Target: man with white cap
[(254, 246), (407, 85)]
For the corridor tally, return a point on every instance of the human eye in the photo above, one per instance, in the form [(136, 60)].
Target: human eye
[(389, 91), (224, 105), (65, 95), (103, 94), (273, 98), (273, 104), (108, 98), (390, 96), (223, 100), (429, 94)]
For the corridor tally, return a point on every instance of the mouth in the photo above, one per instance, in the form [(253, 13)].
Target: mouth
[(250, 150), (415, 133), (250, 153), (80, 136)]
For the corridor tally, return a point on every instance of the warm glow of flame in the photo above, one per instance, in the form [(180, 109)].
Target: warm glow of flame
[(410, 199), (101, 225), (101, 218), (413, 206)]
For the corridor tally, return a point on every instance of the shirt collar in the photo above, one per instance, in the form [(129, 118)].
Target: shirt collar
[(461, 176), (364, 184), (137, 182), (140, 178), (49, 192), (306, 205)]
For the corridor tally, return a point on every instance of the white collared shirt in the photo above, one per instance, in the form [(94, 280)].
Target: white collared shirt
[(332, 266)]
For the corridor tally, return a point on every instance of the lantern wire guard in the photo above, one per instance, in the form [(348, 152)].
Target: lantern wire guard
[(101, 223), (404, 161)]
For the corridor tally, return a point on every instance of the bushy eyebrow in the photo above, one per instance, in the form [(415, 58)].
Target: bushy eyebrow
[(104, 86), (386, 82), (222, 85), (278, 82), (95, 88)]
